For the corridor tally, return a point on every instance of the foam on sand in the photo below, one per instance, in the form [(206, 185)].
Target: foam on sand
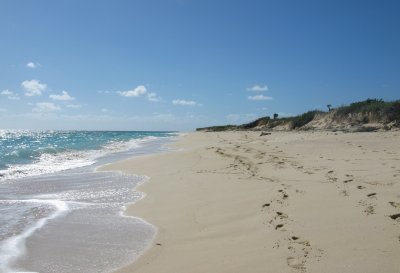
[(14, 247)]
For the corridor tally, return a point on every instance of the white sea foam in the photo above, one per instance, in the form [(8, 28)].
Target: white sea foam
[(106, 193), (51, 163), (14, 247)]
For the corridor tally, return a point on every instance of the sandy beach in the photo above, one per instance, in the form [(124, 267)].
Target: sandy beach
[(285, 202)]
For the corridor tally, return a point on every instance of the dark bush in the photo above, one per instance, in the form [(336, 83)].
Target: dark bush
[(303, 119)]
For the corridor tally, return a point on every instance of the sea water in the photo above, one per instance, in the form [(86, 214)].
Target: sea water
[(57, 213)]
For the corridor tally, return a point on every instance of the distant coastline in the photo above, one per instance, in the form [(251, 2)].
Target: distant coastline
[(364, 116)]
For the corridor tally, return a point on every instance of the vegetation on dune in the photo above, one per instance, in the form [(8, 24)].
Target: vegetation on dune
[(365, 111), (258, 122), (218, 128), (389, 110), (303, 119)]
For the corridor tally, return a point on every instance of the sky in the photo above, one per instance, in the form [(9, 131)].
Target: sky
[(183, 64)]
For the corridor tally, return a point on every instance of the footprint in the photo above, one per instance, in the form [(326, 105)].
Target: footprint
[(395, 204), (285, 196), (266, 205), (395, 216), (371, 194), (369, 210), (296, 263), (360, 187), (281, 215)]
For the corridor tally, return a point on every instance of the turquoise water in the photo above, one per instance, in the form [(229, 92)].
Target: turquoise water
[(57, 213), (29, 153)]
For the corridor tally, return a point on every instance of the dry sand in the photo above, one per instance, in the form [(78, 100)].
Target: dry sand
[(285, 202)]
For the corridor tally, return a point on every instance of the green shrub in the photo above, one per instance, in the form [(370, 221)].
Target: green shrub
[(303, 119), (258, 122), (366, 106), (218, 128), (380, 110), (393, 111), (386, 111)]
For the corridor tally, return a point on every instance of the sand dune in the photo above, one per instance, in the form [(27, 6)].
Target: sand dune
[(285, 202)]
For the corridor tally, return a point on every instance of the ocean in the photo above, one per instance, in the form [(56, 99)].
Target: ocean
[(57, 213)]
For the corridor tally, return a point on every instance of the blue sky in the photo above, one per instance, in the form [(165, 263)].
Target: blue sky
[(182, 64)]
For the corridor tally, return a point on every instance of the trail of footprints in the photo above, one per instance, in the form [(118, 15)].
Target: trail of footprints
[(299, 249), (370, 197)]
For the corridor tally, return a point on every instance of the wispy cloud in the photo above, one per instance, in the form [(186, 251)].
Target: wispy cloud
[(153, 97), (257, 88), (136, 92), (259, 97), (63, 97), (139, 91), (45, 107), (10, 95), (33, 88), (3, 110), (185, 102), (33, 65), (74, 106), (6, 92)]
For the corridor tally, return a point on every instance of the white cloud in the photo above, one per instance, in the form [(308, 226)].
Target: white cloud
[(259, 97), (3, 110), (185, 103), (45, 107), (153, 97), (258, 88), (139, 91), (74, 106), (33, 88), (33, 65), (136, 92), (6, 92), (10, 95), (105, 110), (64, 96)]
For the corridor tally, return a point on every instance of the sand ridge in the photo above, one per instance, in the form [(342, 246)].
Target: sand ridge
[(285, 202)]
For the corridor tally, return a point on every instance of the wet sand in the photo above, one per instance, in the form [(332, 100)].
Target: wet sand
[(285, 202)]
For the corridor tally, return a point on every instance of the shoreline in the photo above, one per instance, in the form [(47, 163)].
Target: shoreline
[(58, 218), (230, 201)]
